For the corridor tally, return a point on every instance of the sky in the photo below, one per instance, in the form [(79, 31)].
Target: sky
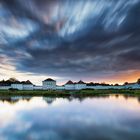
[(89, 40)]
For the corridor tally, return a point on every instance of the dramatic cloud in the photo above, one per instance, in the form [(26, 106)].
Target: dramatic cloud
[(68, 38)]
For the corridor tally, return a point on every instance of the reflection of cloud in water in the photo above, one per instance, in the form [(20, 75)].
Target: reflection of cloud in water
[(10, 107), (97, 118)]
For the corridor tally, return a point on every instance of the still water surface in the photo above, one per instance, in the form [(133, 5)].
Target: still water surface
[(44, 118)]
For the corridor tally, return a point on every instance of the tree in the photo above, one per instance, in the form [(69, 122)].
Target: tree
[(13, 79), (126, 83), (138, 81), (116, 85)]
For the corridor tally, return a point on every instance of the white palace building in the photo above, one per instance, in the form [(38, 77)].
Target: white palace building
[(50, 84)]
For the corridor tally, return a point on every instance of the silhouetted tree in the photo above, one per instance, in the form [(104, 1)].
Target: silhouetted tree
[(13, 79), (116, 85), (138, 81), (126, 83)]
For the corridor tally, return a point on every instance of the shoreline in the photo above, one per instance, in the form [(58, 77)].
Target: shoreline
[(80, 93)]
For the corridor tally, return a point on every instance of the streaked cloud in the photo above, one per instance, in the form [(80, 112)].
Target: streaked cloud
[(71, 39)]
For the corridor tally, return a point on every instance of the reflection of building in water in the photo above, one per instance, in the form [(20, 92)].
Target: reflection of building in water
[(15, 99), (70, 98), (80, 99), (4, 98), (49, 100)]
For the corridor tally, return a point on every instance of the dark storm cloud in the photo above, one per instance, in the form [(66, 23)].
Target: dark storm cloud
[(71, 38)]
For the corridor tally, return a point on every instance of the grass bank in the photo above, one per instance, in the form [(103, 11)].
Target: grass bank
[(81, 93)]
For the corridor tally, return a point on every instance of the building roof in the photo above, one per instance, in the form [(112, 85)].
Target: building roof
[(80, 82), (16, 82), (69, 83), (49, 80), (26, 82), (131, 84)]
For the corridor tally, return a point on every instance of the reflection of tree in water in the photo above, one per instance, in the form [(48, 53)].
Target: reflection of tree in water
[(82, 98), (70, 98), (117, 95), (138, 99), (15, 99), (49, 100), (131, 96), (125, 96), (100, 96)]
